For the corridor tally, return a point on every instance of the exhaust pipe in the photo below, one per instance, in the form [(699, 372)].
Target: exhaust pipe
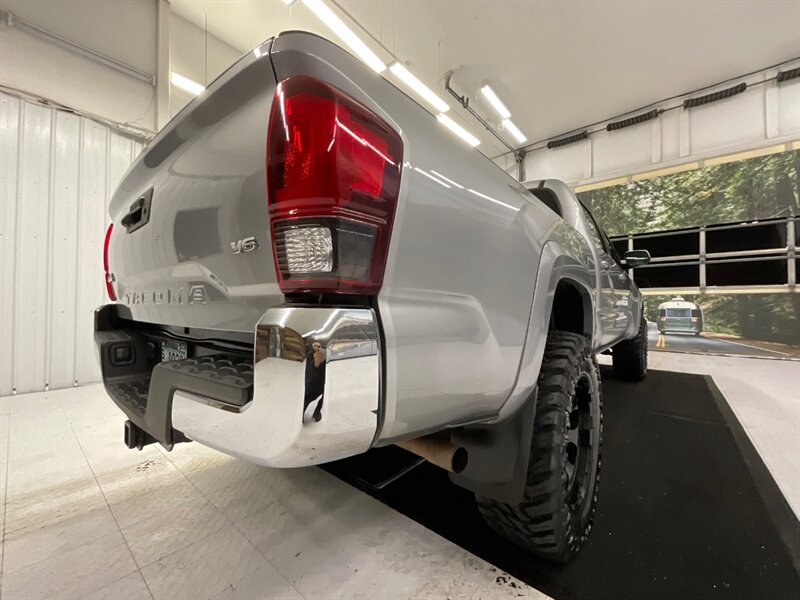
[(447, 455)]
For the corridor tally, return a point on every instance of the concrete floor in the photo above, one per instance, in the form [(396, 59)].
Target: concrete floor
[(83, 517)]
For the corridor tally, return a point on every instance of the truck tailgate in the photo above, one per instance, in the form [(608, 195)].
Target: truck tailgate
[(190, 242)]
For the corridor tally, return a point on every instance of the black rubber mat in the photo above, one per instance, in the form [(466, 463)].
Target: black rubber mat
[(686, 510)]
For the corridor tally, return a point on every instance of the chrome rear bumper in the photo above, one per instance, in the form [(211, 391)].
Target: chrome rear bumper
[(311, 396), (292, 375)]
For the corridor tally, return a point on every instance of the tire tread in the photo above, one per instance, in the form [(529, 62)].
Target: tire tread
[(629, 357), (542, 522)]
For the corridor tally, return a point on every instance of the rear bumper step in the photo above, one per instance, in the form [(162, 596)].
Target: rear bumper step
[(310, 394)]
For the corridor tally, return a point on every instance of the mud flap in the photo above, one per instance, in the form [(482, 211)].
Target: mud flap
[(498, 455)]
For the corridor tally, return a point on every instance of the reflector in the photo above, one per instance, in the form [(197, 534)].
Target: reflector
[(112, 294)]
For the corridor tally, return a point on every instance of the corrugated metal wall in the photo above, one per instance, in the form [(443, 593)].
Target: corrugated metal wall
[(57, 173)]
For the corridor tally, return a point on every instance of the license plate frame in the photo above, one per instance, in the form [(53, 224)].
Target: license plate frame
[(173, 350)]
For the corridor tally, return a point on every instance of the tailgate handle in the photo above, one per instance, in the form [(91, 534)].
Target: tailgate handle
[(139, 213)]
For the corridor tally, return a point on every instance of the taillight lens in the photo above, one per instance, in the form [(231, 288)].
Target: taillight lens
[(333, 177), (112, 294)]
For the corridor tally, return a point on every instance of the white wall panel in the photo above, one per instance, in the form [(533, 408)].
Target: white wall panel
[(788, 99), (728, 123), (57, 173), (568, 163), (63, 252), (124, 30), (10, 113), (91, 229), (195, 54), (765, 114), (623, 149), (127, 34), (670, 135), (31, 247)]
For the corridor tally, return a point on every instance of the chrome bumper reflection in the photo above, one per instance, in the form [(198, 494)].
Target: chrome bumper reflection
[(316, 391)]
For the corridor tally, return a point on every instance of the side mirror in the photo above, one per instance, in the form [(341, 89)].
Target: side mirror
[(636, 258)]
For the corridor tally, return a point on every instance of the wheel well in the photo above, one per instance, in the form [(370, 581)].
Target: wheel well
[(571, 309)]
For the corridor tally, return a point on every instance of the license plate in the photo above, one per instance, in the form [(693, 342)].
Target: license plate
[(173, 351)]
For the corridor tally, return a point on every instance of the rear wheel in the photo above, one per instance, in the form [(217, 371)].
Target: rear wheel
[(630, 356), (555, 515)]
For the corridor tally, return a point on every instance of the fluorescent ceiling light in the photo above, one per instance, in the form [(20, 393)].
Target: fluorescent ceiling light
[(186, 84), (501, 109), (458, 130), (327, 16), (450, 181), (420, 88), (514, 130)]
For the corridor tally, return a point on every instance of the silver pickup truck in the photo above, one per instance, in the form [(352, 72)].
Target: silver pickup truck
[(306, 265)]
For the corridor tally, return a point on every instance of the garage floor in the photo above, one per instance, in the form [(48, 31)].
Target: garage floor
[(84, 517), (764, 395), (687, 508)]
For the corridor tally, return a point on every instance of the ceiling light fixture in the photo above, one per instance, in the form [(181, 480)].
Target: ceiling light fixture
[(327, 16), (420, 88), (458, 130), (514, 130), (501, 109), (186, 84)]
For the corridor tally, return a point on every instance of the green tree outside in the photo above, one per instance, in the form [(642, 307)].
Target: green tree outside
[(758, 188)]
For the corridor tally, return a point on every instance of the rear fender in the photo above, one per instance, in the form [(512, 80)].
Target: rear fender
[(563, 259), (499, 451)]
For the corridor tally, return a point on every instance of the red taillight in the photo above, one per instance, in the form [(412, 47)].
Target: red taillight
[(333, 177), (112, 294)]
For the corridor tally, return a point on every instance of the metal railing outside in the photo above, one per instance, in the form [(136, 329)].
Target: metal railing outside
[(748, 257)]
